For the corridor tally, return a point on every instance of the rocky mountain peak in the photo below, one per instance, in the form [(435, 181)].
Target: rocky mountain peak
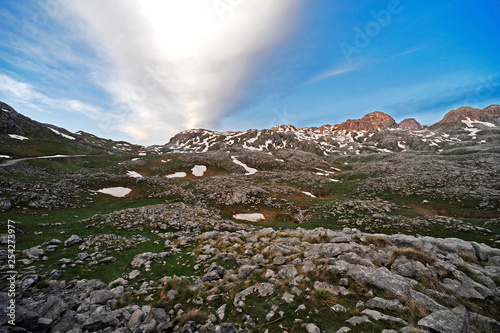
[(468, 113), (284, 128), (410, 124), (192, 131), (371, 122)]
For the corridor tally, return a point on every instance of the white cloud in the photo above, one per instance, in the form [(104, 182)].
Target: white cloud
[(25, 94), (179, 64)]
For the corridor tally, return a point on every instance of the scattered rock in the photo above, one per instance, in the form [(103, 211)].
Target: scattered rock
[(221, 312), (339, 308), (311, 328), (383, 304), (245, 271), (100, 296), (55, 274), (74, 239), (356, 320), (288, 297), (447, 321), (34, 253)]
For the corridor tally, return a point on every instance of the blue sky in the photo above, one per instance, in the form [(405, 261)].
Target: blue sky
[(142, 70)]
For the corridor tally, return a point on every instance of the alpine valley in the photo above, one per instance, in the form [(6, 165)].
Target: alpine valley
[(364, 226)]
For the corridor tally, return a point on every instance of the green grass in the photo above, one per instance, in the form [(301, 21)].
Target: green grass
[(71, 223), (318, 303), (42, 147), (179, 264), (110, 162), (105, 272), (70, 218)]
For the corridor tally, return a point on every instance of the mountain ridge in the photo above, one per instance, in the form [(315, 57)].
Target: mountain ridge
[(21, 136), (374, 132)]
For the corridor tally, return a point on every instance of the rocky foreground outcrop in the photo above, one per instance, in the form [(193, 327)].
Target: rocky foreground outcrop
[(399, 281)]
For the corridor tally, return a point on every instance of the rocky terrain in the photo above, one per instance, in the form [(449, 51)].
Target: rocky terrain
[(365, 226)]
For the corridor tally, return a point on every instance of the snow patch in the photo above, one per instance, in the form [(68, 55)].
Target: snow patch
[(308, 194), (334, 180), (61, 134), (253, 217), (487, 124), (5, 156), (252, 148), (119, 192), (199, 170), (18, 137), (5, 110), (473, 130), (250, 171), (134, 174), (177, 175), (324, 172), (58, 156), (470, 123)]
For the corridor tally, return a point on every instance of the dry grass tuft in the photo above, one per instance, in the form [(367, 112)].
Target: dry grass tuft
[(197, 316), (469, 257), (416, 311), (413, 254), (378, 241), (323, 297)]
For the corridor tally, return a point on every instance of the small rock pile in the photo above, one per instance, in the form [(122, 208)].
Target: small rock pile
[(165, 217)]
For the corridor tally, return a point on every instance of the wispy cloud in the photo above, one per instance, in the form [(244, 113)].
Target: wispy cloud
[(408, 52), (25, 94), (179, 64), (353, 66), (412, 50), (339, 70)]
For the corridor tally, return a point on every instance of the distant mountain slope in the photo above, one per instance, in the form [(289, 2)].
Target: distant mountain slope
[(375, 132), (465, 128), (467, 113), (21, 136)]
